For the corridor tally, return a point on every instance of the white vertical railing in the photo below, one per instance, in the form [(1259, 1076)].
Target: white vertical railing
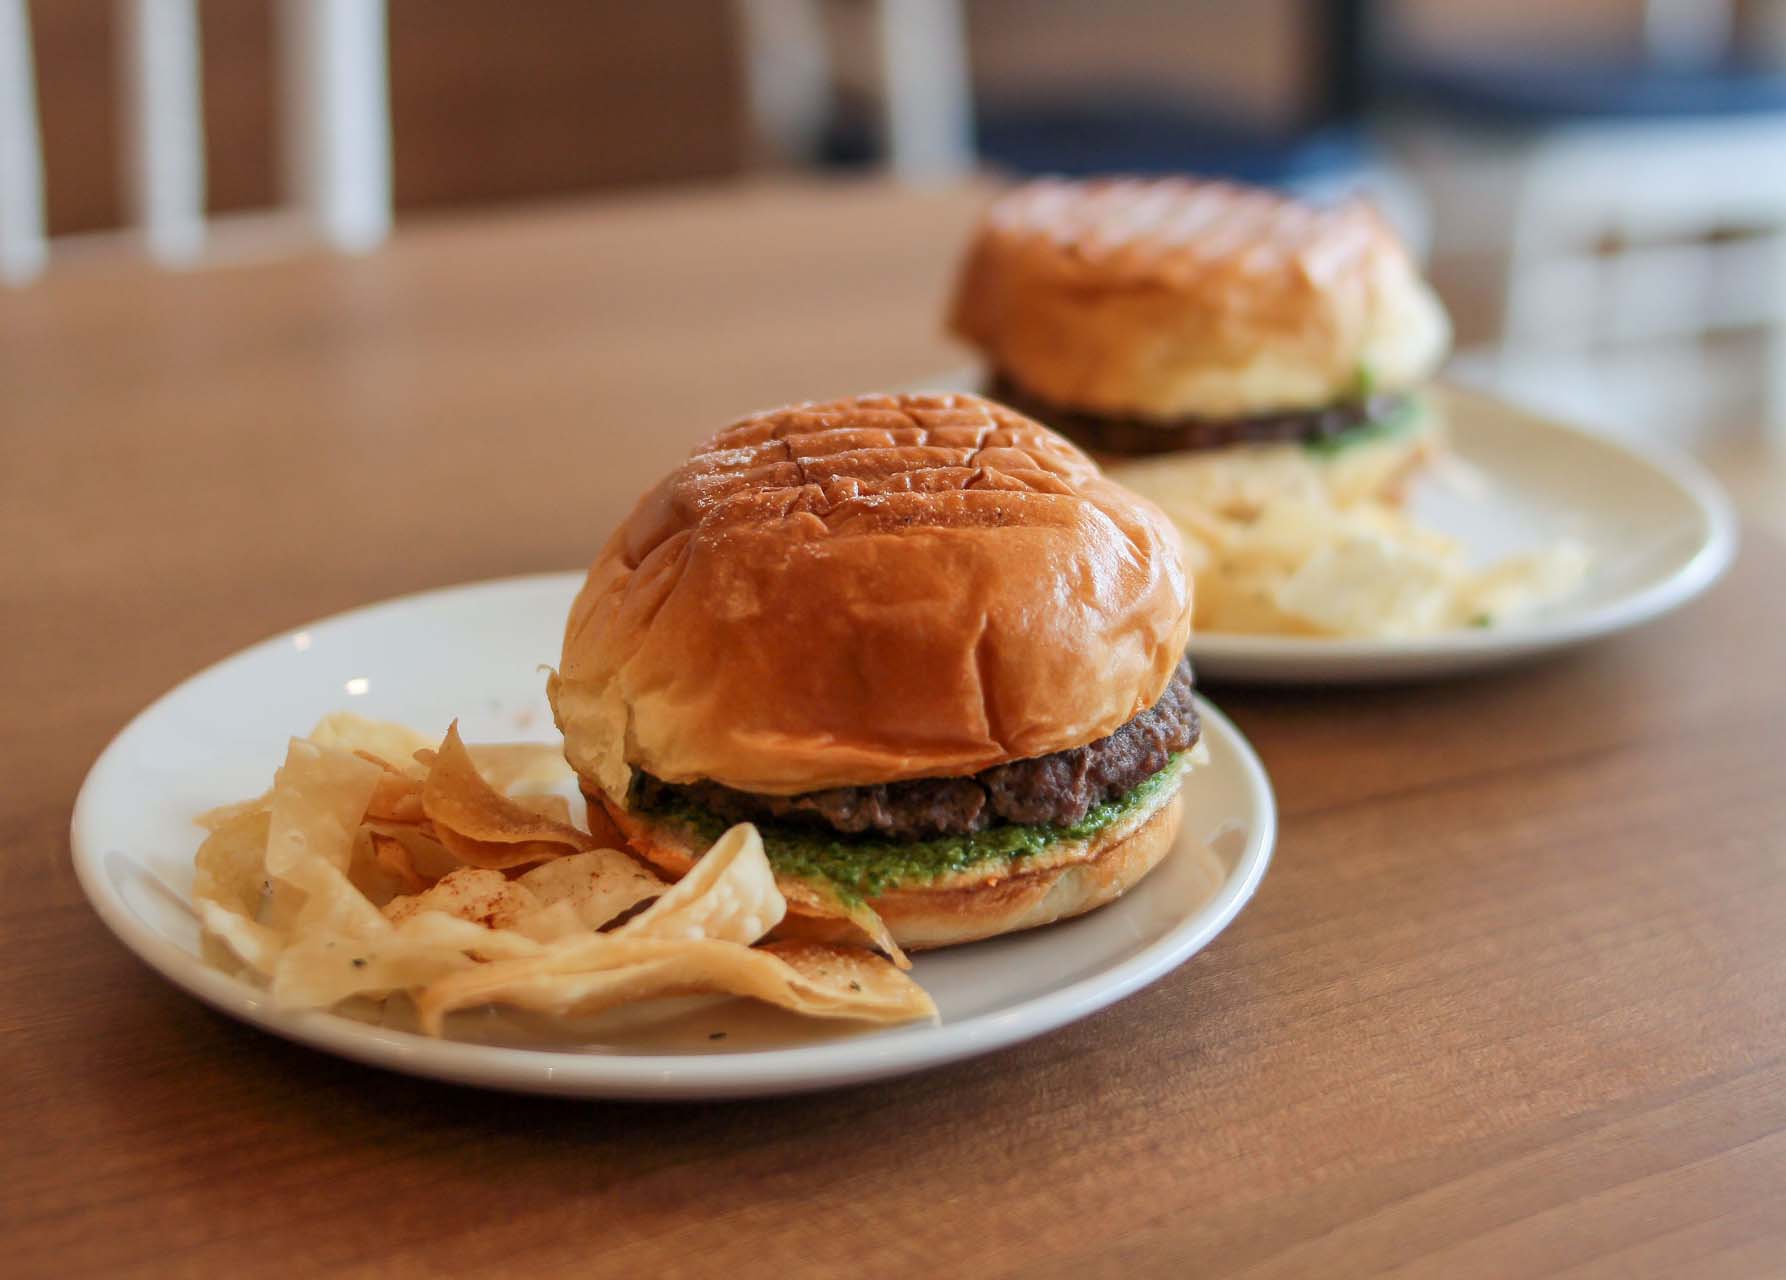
[(23, 248), (335, 118), (163, 125), (335, 122), (787, 75), (927, 88)]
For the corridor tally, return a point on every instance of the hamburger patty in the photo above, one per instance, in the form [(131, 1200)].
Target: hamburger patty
[(1055, 790), (1107, 434)]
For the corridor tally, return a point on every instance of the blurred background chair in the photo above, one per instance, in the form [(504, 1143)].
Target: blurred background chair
[(933, 89), (1645, 277), (22, 248), (1628, 192), (334, 126), (1625, 201)]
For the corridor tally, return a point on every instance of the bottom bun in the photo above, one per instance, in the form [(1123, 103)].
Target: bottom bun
[(1075, 876), (1240, 481)]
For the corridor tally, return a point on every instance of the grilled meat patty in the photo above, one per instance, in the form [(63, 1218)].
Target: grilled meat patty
[(1111, 434), (1055, 790)]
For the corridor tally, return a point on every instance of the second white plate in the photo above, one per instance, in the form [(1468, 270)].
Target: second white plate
[(1659, 528)]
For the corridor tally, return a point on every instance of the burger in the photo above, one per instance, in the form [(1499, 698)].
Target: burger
[(1224, 344), (920, 641)]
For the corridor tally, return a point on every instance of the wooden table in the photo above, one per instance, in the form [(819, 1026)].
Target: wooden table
[(1511, 1002)]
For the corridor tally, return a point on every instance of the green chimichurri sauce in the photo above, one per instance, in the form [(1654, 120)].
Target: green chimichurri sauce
[(862, 866), (1397, 420)]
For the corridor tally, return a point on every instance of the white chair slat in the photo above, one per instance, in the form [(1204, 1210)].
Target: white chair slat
[(23, 244), (163, 125), (926, 88), (787, 74), (335, 121), (336, 118)]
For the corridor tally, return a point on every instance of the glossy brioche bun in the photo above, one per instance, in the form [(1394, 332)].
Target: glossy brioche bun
[(1176, 298), (869, 590), (1067, 879)]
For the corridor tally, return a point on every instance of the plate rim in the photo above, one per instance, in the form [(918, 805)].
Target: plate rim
[(681, 1076)]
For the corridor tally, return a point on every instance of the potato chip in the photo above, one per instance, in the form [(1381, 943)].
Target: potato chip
[(1370, 585), (326, 968), (482, 896), (594, 888), (230, 866), (729, 894), (498, 857), (816, 898), (547, 805), (323, 968), (392, 857), (1284, 536), (855, 978), (280, 909), (228, 884), (511, 767), (380, 881), (427, 855), (514, 768), (256, 945), (345, 731), (438, 929), (224, 814), (1520, 583), (331, 902), (356, 876), (1329, 558), (397, 797), (319, 796), (481, 826), (586, 977)]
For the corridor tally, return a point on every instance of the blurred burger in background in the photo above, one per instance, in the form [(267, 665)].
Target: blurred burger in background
[(1265, 345), (1255, 365)]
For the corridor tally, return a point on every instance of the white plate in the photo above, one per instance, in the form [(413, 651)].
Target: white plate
[(1659, 528), (474, 652)]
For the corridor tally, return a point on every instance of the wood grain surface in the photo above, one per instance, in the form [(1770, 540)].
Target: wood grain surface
[(1511, 1002)]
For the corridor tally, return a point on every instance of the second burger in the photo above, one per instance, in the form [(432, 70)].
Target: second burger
[(1272, 347)]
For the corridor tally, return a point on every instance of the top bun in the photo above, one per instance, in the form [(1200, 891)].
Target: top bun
[(864, 591), (1177, 298)]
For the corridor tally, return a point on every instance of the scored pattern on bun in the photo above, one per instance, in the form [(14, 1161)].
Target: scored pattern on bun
[(1179, 231), (869, 590), (1174, 298)]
